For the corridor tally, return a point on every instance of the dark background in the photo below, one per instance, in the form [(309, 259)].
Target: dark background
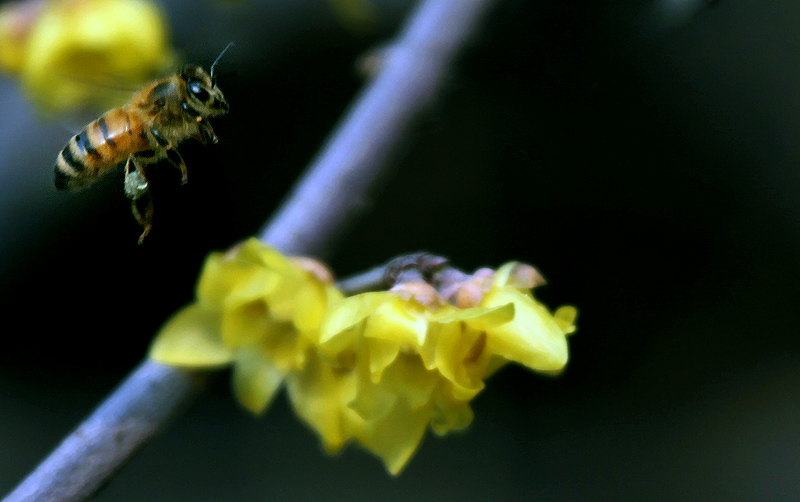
[(644, 155)]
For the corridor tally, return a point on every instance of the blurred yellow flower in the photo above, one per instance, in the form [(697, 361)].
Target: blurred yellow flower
[(71, 53), (390, 366), (16, 21), (255, 309), (355, 15)]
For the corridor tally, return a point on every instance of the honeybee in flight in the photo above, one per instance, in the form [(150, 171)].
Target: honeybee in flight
[(143, 132)]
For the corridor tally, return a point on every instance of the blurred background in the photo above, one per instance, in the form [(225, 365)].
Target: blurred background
[(643, 155)]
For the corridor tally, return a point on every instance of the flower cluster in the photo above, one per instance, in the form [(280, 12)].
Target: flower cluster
[(256, 310), (70, 53), (375, 368)]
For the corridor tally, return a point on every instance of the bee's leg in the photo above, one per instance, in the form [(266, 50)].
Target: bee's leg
[(137, 189), (205, 132), (135, 182), (174, 158), (143, 216), (161, 141)]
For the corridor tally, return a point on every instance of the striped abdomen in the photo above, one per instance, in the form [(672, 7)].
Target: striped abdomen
[(103, 144)]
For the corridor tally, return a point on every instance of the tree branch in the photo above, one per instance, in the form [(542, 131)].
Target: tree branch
[(326, 198), (339, 180), (131, 415), (428, 267)]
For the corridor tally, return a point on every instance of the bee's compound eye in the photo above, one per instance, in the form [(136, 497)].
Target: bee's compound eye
[(196, 88)]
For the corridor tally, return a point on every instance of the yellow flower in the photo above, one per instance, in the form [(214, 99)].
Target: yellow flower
[(70, 53), (16, 21), (355, 15), (534, 338), (389, 366), (376, 369), (255, 309)]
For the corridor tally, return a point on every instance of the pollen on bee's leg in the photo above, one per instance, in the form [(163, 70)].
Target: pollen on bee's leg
[(135, 185)]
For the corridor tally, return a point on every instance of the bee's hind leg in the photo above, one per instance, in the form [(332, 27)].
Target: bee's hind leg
[(135, 181), (137, 189), (142, 209)]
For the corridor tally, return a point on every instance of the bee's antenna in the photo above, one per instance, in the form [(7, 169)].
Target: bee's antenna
[(213, 65)]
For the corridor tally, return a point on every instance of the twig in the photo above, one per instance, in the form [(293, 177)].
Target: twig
[(371, 280), (326, 198), (141, 405), (426, 266), (357, 154)]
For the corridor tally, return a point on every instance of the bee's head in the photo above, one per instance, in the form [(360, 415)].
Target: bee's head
[(203, 96)]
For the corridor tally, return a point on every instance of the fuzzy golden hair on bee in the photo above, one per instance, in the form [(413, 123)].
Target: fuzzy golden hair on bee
[(144, 132)]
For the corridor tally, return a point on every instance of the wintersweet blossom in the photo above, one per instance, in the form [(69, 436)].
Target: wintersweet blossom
[(377, 369), (256, 310), (70, 53), (389, 365)]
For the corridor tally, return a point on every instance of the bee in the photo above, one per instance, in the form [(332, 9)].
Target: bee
[(142, 133)]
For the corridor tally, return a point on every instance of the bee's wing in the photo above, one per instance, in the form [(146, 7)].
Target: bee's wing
[(100, 92)]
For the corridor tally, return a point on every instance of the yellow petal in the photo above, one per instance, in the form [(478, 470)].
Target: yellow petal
[(319, 395), (285, 346), (341, 326), (408, 378), (286, 278), (311, 305), (372, 401), (246, 323), (256, 379), (565, 317), (461, 357), (381, 353), (255, 252), (495, 363), (533, 338), (396, 437), (450, 414), (503, 273), (399, 321), (479, 318), (445, 344), (191, 338), (221, 276), (252, 284)]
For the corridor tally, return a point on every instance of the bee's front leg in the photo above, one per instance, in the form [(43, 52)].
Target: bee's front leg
[(174, 158), (205, 132)]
